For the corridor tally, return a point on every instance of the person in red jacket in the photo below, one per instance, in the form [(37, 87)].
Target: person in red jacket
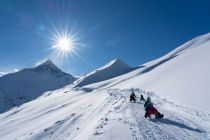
[(150, 109)]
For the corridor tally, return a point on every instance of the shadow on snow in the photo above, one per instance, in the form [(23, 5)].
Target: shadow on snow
[(178, 124)]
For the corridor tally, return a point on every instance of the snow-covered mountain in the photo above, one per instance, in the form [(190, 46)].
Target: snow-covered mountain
[(101, 110), (28, 84), (181, 76), (112, 69)]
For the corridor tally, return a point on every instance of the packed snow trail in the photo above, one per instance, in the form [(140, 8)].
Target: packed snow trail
[(130, 117), (87, 114)]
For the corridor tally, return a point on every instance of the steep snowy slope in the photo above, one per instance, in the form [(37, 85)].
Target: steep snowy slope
[(28, 84), (112, 69), (181, 76)]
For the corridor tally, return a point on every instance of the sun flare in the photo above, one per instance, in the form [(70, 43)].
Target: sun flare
[(64, 44)]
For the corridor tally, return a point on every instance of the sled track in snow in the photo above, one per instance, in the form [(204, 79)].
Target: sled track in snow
[(148, 130), (173, 126), (115, 109), (103, 115)]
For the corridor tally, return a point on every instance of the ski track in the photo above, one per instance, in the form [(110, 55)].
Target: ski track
[(173, 127), (110, 117)]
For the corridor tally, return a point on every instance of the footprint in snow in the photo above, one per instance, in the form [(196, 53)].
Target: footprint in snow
[(98, 133)]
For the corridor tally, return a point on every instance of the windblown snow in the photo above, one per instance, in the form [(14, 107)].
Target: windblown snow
[(99, 109)]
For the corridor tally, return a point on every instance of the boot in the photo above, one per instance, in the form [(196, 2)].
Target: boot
[(159, 115), (145, 115)]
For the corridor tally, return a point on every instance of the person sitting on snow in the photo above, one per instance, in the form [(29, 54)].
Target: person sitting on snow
[(142, 98), (150, 109), (133, 97)]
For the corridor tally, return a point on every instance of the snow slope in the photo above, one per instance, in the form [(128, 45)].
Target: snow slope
[(181, 76), (27, 84), (100, 114), (113, 69)]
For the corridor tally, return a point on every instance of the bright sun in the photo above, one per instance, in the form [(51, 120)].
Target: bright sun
[(64, 44)]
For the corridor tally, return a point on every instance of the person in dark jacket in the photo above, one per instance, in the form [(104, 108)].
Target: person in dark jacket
[(150, 109), (133, 97), (142, 98)]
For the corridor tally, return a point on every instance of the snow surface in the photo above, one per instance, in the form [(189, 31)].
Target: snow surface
[(98, 110), (100, 114), (2, 73), (27, 84)]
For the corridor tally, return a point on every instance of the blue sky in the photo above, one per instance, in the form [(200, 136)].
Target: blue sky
[(135, 31)]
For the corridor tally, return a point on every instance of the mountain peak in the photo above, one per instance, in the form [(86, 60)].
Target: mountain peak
[(112, 69), (47, 66), (117, 60), (114, 62), (29, 83), (47, 62)]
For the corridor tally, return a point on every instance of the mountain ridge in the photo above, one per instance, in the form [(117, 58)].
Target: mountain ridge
[(110, 70)]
